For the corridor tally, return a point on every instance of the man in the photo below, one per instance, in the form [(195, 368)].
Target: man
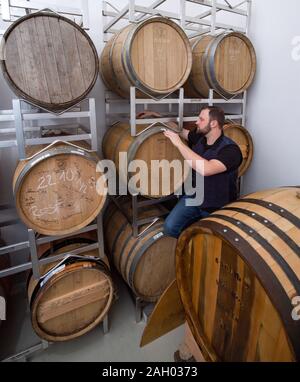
[(221, 158)]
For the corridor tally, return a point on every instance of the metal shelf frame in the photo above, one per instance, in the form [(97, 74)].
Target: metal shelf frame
[(180, 101), (197, 25), (11, 10), (19, 115), (205, 22)]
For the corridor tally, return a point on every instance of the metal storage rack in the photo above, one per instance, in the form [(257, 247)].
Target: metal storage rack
[(19, 116), (204, 23), (13, 9)]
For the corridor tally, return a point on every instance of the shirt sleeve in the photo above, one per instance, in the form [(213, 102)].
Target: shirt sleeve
[(231, 157), (193, 137)]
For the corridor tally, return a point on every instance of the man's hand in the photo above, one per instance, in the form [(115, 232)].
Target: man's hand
[(174, 138)]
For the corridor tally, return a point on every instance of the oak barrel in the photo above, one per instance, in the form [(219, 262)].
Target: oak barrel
[(146, 263), (225, 63), (149, 146), (71, 299), (238, 271), (49, 60), (55, 188), (243, 139), (153, 55)]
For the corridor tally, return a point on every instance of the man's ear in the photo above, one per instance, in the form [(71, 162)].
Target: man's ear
[(214, 124)]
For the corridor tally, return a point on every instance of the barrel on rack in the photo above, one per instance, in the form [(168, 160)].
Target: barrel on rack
[(154, 56), (151, 147), (73, 297), (238, 272), (57, 189), (240, 136), (49, 60), (225, 63), (243, 139), (146, 263)]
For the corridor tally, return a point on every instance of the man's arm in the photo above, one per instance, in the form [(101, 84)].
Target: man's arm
[(172, 125), (185, 134), (199, 164)]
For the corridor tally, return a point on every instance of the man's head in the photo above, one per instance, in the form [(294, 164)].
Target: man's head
[(210, 118)]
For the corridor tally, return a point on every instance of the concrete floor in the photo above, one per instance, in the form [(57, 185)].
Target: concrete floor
[(121, 344)]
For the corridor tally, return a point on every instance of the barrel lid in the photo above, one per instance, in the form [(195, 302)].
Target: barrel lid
[(49, 60)]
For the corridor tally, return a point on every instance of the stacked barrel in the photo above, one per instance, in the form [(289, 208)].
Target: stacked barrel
[(74, 295), (156, 58), (225, 63), (52, 63)]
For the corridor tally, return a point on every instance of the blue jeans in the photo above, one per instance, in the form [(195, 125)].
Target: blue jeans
[(181, 217)]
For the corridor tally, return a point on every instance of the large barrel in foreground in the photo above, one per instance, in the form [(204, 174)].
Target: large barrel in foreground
[(154, 56), (146, 263), (225, 63), (238, 272), (55, 189), (150, 147), (49, 60), (72, 299)]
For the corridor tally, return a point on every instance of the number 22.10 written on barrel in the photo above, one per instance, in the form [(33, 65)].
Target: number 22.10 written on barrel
[(65, 176)]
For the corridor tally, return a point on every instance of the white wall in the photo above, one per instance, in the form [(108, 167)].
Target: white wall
[(274, 99)]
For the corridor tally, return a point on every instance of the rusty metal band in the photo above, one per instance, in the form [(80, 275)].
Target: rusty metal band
[(289, 241), (275, 208), (286, 268)]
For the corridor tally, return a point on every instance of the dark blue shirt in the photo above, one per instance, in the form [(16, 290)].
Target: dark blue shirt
[(220, 189)]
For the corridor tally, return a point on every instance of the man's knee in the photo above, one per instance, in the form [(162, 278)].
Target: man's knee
[(170, 230)]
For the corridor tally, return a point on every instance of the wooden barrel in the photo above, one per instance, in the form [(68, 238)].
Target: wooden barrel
[(49, 60), (237, 272), (154, 56), (146, 263), (55, 189), (150, 146), (72, 299), (225, 63), (243, 139)]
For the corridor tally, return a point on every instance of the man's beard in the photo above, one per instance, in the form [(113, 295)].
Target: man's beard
[(207, 129)]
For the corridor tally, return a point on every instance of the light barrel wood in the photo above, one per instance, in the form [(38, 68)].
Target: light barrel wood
[(49, 60), (225, 63), (73, 300), (58, 190), (146, 263), (148, 147), (243, 139), (237, 272), (154, 56)]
